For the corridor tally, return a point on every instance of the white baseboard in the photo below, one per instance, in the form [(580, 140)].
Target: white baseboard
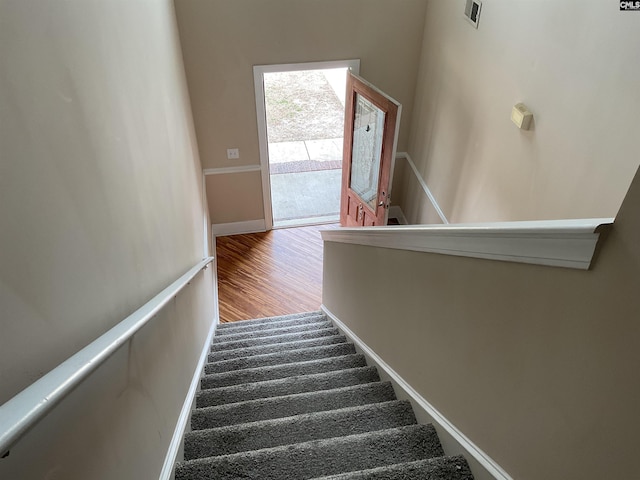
[(175, 451), (237, 228), (396, 212), (453, 440)]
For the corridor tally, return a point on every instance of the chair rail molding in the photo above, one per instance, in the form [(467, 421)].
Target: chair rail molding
[(230, 170), (558, 243)]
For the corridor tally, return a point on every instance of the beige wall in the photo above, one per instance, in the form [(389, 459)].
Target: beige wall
[(536, 365), (226, 205), (223, 39), (100, 208), (573, 63), (411, 197), (118, 423)]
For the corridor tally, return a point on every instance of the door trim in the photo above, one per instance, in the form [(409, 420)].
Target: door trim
[(258, 82)]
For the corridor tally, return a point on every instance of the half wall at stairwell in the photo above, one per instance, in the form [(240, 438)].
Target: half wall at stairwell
[(533, 364)]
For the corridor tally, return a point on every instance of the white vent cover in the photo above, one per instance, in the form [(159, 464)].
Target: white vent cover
[(472, 11)]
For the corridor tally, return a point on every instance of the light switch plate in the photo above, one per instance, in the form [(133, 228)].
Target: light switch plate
[(233, 153)]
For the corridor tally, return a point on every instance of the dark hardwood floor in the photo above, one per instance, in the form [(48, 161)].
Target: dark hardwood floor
[(272, 273)]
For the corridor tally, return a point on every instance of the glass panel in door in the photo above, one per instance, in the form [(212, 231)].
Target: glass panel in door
[(368, 133)]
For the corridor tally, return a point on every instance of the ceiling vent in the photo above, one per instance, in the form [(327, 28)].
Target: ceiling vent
[(472, 11)]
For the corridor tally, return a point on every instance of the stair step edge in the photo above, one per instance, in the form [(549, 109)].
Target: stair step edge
[(298, 428), (424, 436), (288, 386), (280, 358), (274, 318), (287, 405), (319, 365), (328, 340), (260, 423), (452, 467), (270, 325), (273, 339), (256, 401), (323, 323)]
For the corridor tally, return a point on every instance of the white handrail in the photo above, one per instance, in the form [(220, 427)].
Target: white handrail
[(24, 410), (558, 243)]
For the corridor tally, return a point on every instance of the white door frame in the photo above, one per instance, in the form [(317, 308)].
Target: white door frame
[(258, 80)]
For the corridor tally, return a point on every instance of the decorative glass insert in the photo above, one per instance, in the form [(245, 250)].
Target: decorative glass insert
[(368, 132)]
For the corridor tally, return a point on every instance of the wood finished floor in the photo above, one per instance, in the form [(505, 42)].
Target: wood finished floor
[(272, 273)]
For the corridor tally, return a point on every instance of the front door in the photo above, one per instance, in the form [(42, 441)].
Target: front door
[(372, 122)]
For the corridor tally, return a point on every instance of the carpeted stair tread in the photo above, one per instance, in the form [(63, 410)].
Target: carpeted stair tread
[(249, 327), (273, 330), (319, 457), (275, 319), (297, 429), (288, 398), (273, 339), (273, 372), (290, 356), (453, 467), (286, 406), (287, 386), (279, 347)]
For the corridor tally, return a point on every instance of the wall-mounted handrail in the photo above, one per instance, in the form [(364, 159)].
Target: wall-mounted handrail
[(29, 406), (558, 243)]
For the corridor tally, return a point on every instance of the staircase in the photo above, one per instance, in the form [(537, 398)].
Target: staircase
[(289, 398)]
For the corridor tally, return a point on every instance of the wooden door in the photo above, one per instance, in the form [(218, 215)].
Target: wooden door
[(372, 121)]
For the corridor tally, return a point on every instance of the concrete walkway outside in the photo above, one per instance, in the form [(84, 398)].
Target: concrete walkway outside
[(305, 155), (304, 163), (320, 150), (305, 182), (306, 198)]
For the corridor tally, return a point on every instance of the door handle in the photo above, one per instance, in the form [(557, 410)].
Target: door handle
[(385, 202)]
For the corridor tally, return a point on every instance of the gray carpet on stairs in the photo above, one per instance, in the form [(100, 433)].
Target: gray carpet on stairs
[(439, 468), (285, 406), (289, 398), (268, 324), (280, 319), (320, 457), (277, 358), (241, 335), (287, 386), (297, 429), (272, 372), (275, 348), (272, 339)]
